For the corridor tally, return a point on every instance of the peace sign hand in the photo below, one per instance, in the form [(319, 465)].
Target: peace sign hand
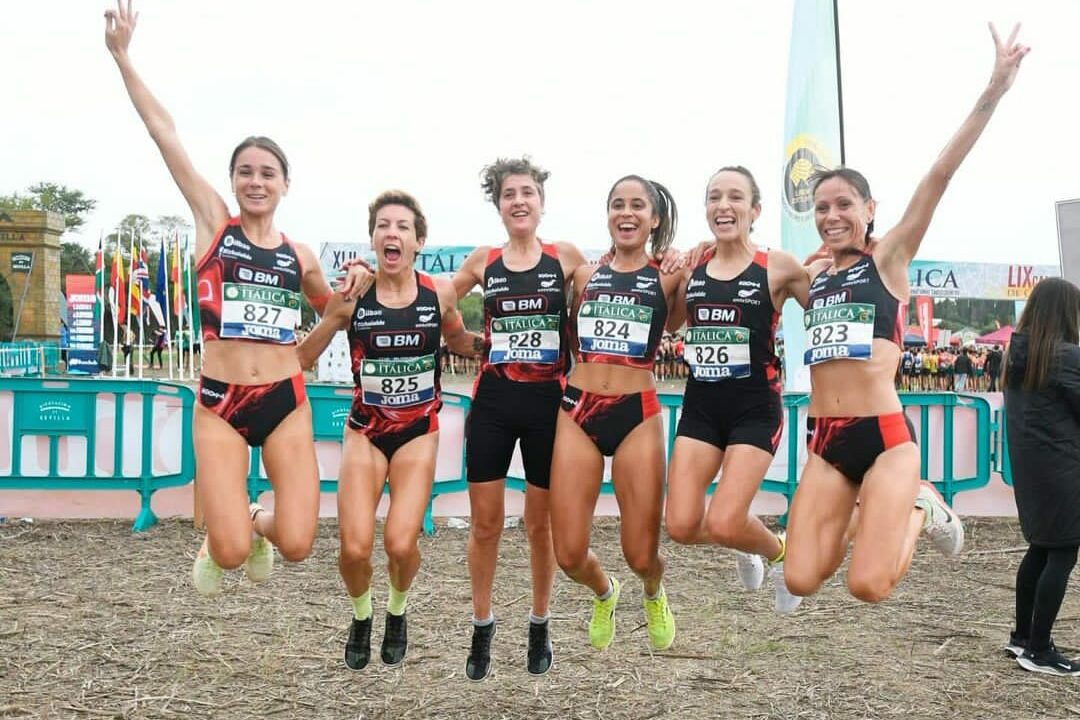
[(119, 26), (1007, 62)]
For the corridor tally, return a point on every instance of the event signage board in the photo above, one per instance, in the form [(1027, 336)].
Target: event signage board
[(82, 357), (985, 281), (1068, 227)]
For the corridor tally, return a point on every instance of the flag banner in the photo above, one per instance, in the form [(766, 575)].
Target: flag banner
[(811, 139)]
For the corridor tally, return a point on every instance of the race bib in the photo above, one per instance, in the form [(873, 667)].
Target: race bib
[(398, 382), (258, 312), (525, 338), (843, 331), (718, 353), (614, 328)]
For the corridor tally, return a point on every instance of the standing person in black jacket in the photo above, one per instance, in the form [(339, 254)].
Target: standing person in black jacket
[(993, 368), (1042, 410)]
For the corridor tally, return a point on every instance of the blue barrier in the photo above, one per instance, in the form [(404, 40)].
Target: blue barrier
[(58, 409)]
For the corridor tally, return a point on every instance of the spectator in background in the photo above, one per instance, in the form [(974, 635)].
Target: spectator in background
[(1042, 409), (962, 368), (993, 368), (158, 348)]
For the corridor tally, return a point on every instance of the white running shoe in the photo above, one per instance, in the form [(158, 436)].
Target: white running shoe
[(786, 603), (750, 569), (943, 526)]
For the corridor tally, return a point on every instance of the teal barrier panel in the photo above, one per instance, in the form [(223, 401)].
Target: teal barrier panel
[(1000, 451), (28, 359), (58, 409)]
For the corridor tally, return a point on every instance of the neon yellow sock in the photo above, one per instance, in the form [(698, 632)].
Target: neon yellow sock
[(783, 550), (362, 606), (395, 604)]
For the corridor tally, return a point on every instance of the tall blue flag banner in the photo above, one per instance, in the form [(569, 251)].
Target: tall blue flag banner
[(161, 286), (812, 138)]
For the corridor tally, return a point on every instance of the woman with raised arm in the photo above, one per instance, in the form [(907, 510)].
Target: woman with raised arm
[(610, 408), (862, 449), (251, 392), (394, 331), (732, 415)]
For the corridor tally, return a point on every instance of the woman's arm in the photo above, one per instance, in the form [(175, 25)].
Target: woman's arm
[(209, 210), (900, 244), (338, 312)]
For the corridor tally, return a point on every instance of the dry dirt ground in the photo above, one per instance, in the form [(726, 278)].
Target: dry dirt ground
[(96, 622)]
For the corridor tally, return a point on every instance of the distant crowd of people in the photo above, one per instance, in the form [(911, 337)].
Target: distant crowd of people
[(949, 369), (922, 369)]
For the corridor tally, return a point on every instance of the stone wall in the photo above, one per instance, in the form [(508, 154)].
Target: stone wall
[(38, 232)]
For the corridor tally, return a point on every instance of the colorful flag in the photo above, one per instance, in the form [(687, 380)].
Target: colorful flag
[(812, 138), (117, 285), (161, 290), (99, 280), (140, 281), (178, 288)]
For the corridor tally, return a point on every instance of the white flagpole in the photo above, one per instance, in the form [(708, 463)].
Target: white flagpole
[(116, 303), (141, 317), (163, 261), (192, 297), (127, 335)]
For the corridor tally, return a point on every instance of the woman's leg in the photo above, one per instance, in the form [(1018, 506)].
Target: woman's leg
[(360, 484), (1049, 592), (576, 473), (293, 471), (694, 464), (818, 526), (1027, 579), (889, 524)]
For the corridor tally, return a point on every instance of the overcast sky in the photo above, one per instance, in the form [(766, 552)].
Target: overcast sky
[(421, 94)]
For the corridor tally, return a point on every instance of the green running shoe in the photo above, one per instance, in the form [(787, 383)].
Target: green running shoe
[(206, 574), (660, 621), (260, 561), (602, 623)]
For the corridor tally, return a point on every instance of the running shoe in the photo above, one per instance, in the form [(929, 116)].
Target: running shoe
[(943, 528), (1017, 645), (540, 652), (205, 573), (602, 623), (750, 568), (358, 646), (660, 621), (785, 602), (260, 561), (478, 664), (395, 640), (1049, 661)]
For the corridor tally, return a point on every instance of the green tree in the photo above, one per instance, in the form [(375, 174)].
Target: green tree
[(471, 308), (72, 204), (74, 258)]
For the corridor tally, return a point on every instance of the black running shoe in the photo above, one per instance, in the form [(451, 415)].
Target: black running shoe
[(539, 648), (1048, 661), (478, 664), (1016, 645), (358, 646), (395, 640)]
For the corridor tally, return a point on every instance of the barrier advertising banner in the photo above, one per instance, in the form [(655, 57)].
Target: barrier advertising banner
[(984, 281)]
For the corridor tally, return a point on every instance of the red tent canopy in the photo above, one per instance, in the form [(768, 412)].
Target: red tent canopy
[(998, 337)]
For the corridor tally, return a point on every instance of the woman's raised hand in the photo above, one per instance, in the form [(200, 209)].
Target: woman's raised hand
[(119, 26), (1007, 61)]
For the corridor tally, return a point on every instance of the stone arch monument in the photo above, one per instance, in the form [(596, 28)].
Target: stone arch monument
[(30, 262)]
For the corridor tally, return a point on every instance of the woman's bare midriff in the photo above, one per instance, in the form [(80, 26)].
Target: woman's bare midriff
[(249, 363), (856, 388), (606, 379)]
